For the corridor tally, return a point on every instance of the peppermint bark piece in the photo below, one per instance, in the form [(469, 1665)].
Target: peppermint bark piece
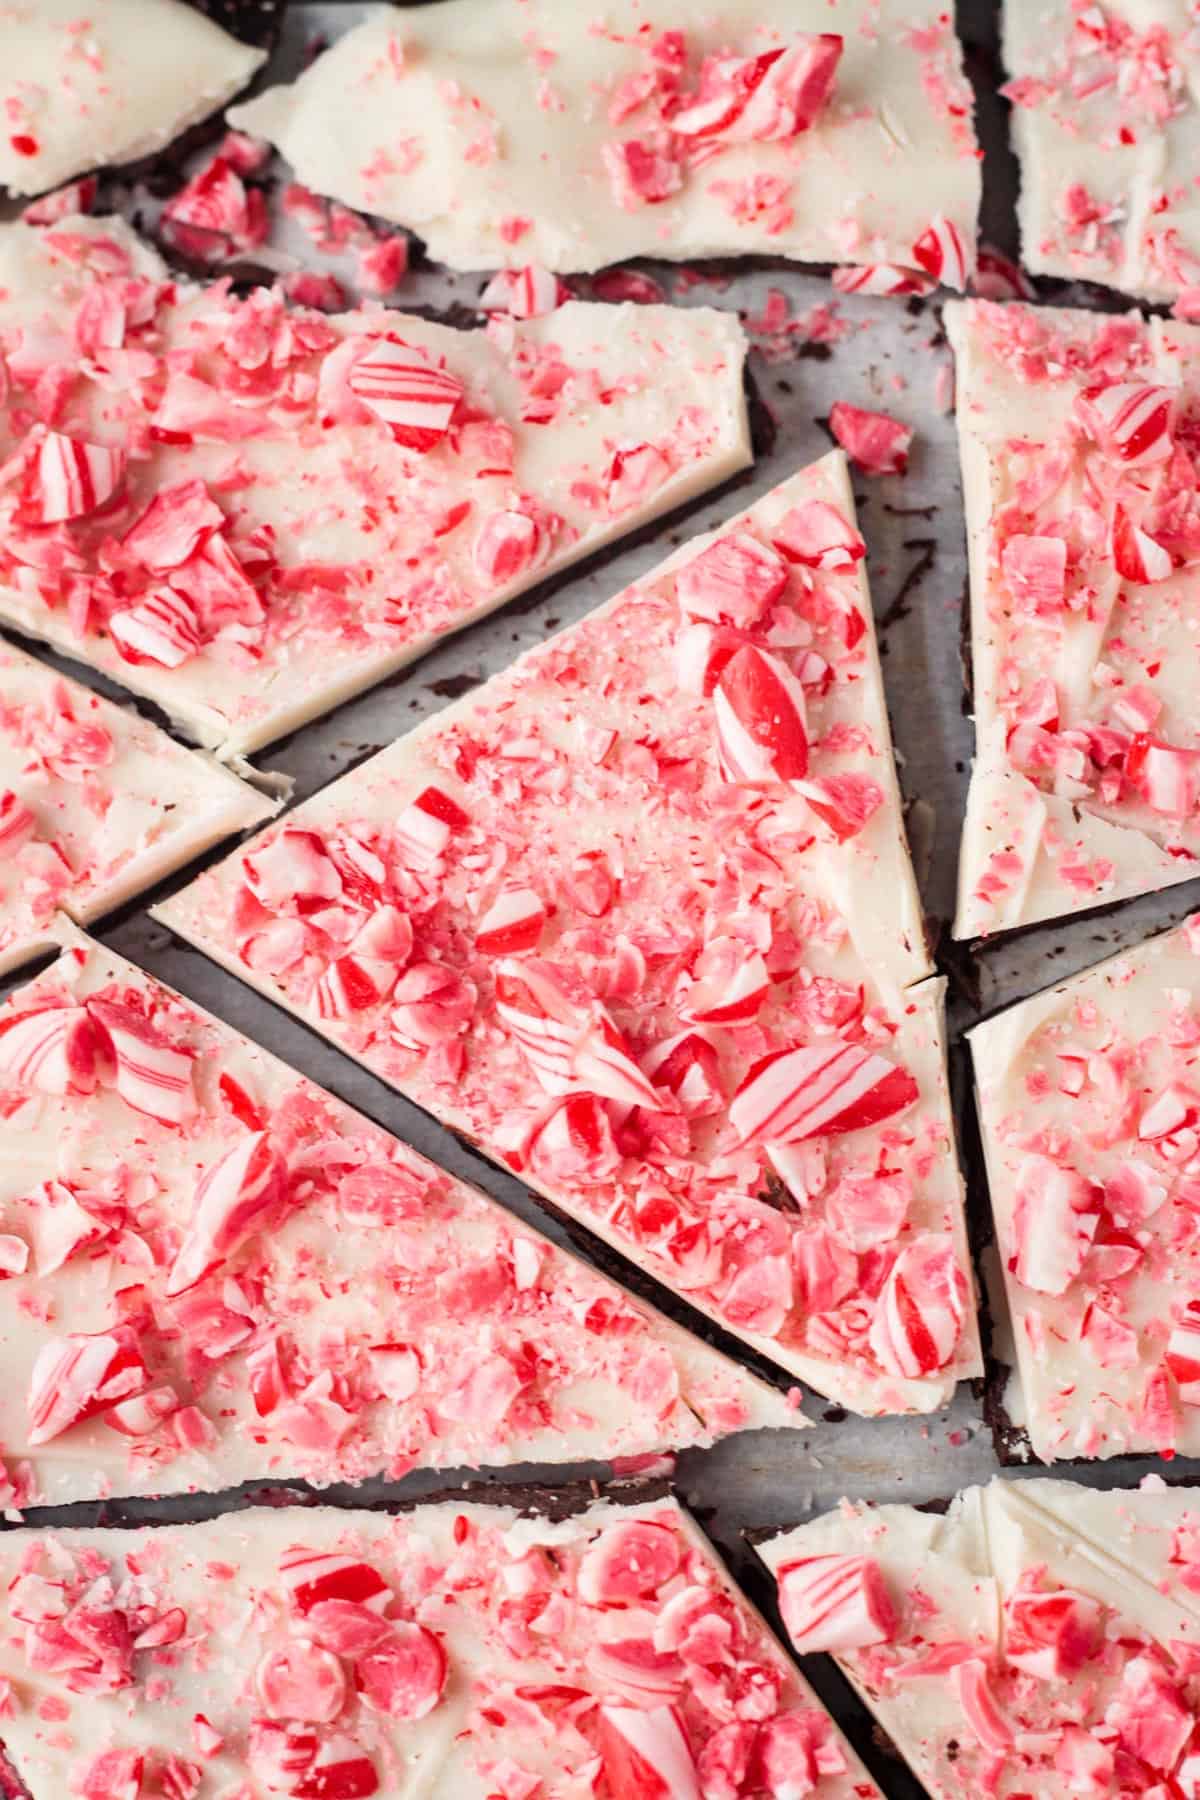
[(457, 1651), (535, 134), (1079, 474), (1089, 1103), (96, 805), (1001, 1653), (121, 80), (211, 1271), (249, 512), (651, 965), (1106, 126)]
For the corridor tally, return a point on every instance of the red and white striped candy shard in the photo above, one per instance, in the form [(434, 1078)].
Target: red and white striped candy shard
[(509, 542), (74, 477), (312, 1577), (818, 1091), (979, 1704), (998, 277), (942, 252), (279, 1753), (1051, 1635), (53, 1050), (528, 293), (730, 983), (701, 653), (876, 443), (427, 824), (734, 581), (1183, 1356), (74, 1378), (17, 822), (415, 400), (1132, 420), (844, 803), (688, 1067), (512, 923), (234, 1200), (835, 1603), (542, 1020), (1137, 556), (1055, 1217), (629, 1561), (918, 1317), (601, 1064), (162, 628), (404, 1674), (340, 1770), (646, 1754), (817, 535), (760, 714), (174, 525), (294, 866), (150, 1074), (299, 1680), (881, 280), (113, 1775), (634, 471), (767, 98), (1166, 777)]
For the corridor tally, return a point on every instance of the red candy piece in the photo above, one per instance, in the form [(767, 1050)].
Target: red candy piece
[(942, 253), (312, 1577), (175, 524), (734, 581), (150, 1074), (341, 1770), (415, 400), (818, 1091), (404, 1675), (113, 1775), (1138, 557), (512, 923), (17, 822), (646, 1754), (919, 1315), (1132, 420), (528, 293), (875, 443), (880, 280), (162, 628), (1051, 1636), (835, 1603), (53, 1049), (1166, 777), (760, 713), (768, 98), (74, 1378), (301, 1681), (509, 542), (427, 824), (74, 477), (235, 1199), (628, 1562), (818, 536)]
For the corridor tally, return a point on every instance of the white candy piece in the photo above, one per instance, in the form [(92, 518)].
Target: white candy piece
[(825, 130), (96, 805), (116, 80)]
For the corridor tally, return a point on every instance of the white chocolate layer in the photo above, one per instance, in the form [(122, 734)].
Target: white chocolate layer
[(525, 1641), (1106, 124), (86, 87), (1077, 1090), (1045, 1637), (100, 805), (490, 127), (582, 810), (345, 552), (375, 1315), (1082, 665)]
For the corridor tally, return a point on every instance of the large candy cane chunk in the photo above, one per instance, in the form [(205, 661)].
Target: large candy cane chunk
[(818, 1091), (835, 1603)]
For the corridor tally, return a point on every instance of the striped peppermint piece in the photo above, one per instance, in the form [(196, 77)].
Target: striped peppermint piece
[(74, 477), (426, 825), (294, 866), (818, 1091), (818, 536), (415, 400), (768, 98), (942, 252), (162, 628), (311, 1578), (1132, 420), (1137, 556), (17, 822), (734, 581), (74, 1378), (235, 1199), (528, 293), (730, 983), (835, 1603), (602, 1065), (150, 1074), (646, 1754), (1183, 1356), (512, 923), (881, 280), (542, 1020), (761, 726), (508, 544), (53, 1050), (919, 1315)]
